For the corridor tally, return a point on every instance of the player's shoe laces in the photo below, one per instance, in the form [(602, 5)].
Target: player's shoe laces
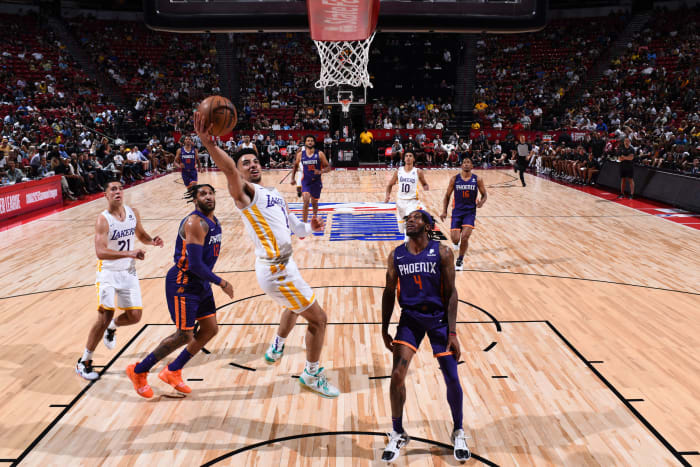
[(110, 339), (459, 265), (140, 381), (272, 354), (84, 369), (318, 383), (174, 378), (459, 440), (396, 442)]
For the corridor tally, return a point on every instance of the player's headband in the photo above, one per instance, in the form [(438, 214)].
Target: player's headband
[(427, 218)]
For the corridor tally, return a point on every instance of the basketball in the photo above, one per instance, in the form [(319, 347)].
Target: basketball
[(220, 112)]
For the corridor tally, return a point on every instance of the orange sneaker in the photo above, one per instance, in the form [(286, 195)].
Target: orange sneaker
[(174, 378), (140, 381)]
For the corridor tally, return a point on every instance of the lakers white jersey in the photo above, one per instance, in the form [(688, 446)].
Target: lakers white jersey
[(408, 184), (266, 222), (121, 237)]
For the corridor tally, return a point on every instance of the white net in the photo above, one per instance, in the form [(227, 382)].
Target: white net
[(344, 63)]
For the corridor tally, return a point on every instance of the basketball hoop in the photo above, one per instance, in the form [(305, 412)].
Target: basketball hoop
[(344, 63)]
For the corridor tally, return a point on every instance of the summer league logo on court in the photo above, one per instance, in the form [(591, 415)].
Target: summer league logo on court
[(360, 221), (346, 207)]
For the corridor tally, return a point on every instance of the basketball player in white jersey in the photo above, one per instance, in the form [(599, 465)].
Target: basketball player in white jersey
[(407, 199), (116, 231), (270, 224)]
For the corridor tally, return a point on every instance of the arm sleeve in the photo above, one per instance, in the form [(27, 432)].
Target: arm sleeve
[(299, 228), (197, 266)]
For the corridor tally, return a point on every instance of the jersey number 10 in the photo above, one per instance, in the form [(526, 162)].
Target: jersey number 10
[(405, 187)]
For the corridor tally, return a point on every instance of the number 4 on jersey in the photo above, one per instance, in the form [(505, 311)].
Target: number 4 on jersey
[(418, 281)]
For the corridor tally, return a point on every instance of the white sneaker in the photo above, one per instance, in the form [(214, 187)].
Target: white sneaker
[(459, 440), (109, 338), (272, 354), (84, 370), (318, 383), (396, 442)]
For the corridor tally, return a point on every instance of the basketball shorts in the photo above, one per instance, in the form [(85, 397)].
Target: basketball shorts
[(122, 284), (404, 207), (189, 176), (312, 187), (413, 328), (188, 300), (463, 219), (283, 283)]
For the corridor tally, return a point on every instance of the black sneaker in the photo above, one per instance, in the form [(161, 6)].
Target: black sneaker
[(459, 264), (298, 192), (85, 370)]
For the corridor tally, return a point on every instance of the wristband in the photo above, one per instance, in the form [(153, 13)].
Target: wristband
[(453, 334)]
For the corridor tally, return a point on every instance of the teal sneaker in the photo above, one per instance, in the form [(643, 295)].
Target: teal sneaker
[(318, 383), (272, 354)]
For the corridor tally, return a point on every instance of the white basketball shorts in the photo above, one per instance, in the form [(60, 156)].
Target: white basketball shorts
[(124, 284), (404, 207), (284, 284)]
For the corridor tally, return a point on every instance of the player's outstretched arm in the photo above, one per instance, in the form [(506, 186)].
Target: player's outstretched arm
[(236, 184), (392, 279), (196, 233), (423, 181), (482, 191), (102, 249), (448, 194), (447, 274), (390, 186)]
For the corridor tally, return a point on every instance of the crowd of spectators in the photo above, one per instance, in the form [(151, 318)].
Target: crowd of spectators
[(277, 76), (650, 94), (522, 79), (160, 74)]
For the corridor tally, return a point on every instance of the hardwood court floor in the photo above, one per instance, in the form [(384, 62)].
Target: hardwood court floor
[(571, 279)]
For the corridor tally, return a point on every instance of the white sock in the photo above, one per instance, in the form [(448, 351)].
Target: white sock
[(112, 325), (312, 367), (455, 247), (278, 342), (87, 355)]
